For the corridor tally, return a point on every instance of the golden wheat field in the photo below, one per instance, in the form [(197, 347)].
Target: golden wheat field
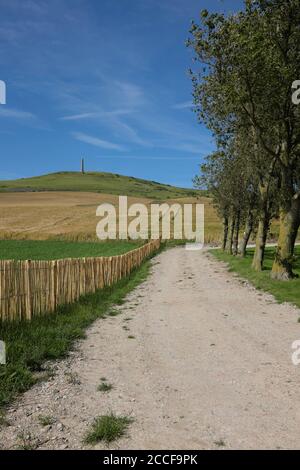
[(72, 215)]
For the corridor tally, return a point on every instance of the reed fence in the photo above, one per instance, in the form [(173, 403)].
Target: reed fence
[(34, 288)]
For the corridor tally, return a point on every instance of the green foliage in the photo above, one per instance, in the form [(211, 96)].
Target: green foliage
[(245, 65)]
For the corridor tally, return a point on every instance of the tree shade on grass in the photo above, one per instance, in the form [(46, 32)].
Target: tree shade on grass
[(283, 291)]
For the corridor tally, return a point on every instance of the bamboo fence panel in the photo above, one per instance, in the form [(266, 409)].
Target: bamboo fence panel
[(34, 288)]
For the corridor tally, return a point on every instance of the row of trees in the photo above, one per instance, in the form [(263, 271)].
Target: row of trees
[(245, 67)]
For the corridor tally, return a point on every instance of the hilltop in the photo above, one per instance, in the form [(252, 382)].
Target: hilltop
[(108, 183)]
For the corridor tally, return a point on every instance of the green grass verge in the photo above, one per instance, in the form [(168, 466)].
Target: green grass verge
[(107, 428), (109, 183), (55, 249), (30, 344), (283, 291)]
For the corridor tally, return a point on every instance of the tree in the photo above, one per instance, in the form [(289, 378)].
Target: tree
[(233, 194), (248, 62), (213, 179)]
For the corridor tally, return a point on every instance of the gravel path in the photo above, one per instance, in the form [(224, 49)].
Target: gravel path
[(209, 366)]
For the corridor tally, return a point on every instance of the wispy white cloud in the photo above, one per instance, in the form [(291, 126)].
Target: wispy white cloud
[(170, 132), (95, 115), (116, 99), (88, 139), (30, 5), (78, 117), (184, 105), (128, 133), (16, 113), (102, 98), (130, 94), (188, 147)]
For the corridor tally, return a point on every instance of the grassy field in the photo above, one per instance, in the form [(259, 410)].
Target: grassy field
[(108, 183), (63, 205), (282, 291), (52, 249), (72, 215), (30, 344)]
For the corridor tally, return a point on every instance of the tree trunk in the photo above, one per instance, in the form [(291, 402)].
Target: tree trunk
[(247, 234), (262, 230), (236, 234), (225, 235), (289, 225), (230, 236), (296, 225)]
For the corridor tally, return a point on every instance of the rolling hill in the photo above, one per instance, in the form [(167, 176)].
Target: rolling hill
[(63, 205), (108, 183)]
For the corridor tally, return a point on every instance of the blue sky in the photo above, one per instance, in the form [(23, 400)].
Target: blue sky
[(103, 79)]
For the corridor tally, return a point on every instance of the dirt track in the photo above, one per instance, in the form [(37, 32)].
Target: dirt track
[(209, 367)]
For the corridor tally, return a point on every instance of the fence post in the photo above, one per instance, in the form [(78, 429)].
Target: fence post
[(22, 283), (28, 309)]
